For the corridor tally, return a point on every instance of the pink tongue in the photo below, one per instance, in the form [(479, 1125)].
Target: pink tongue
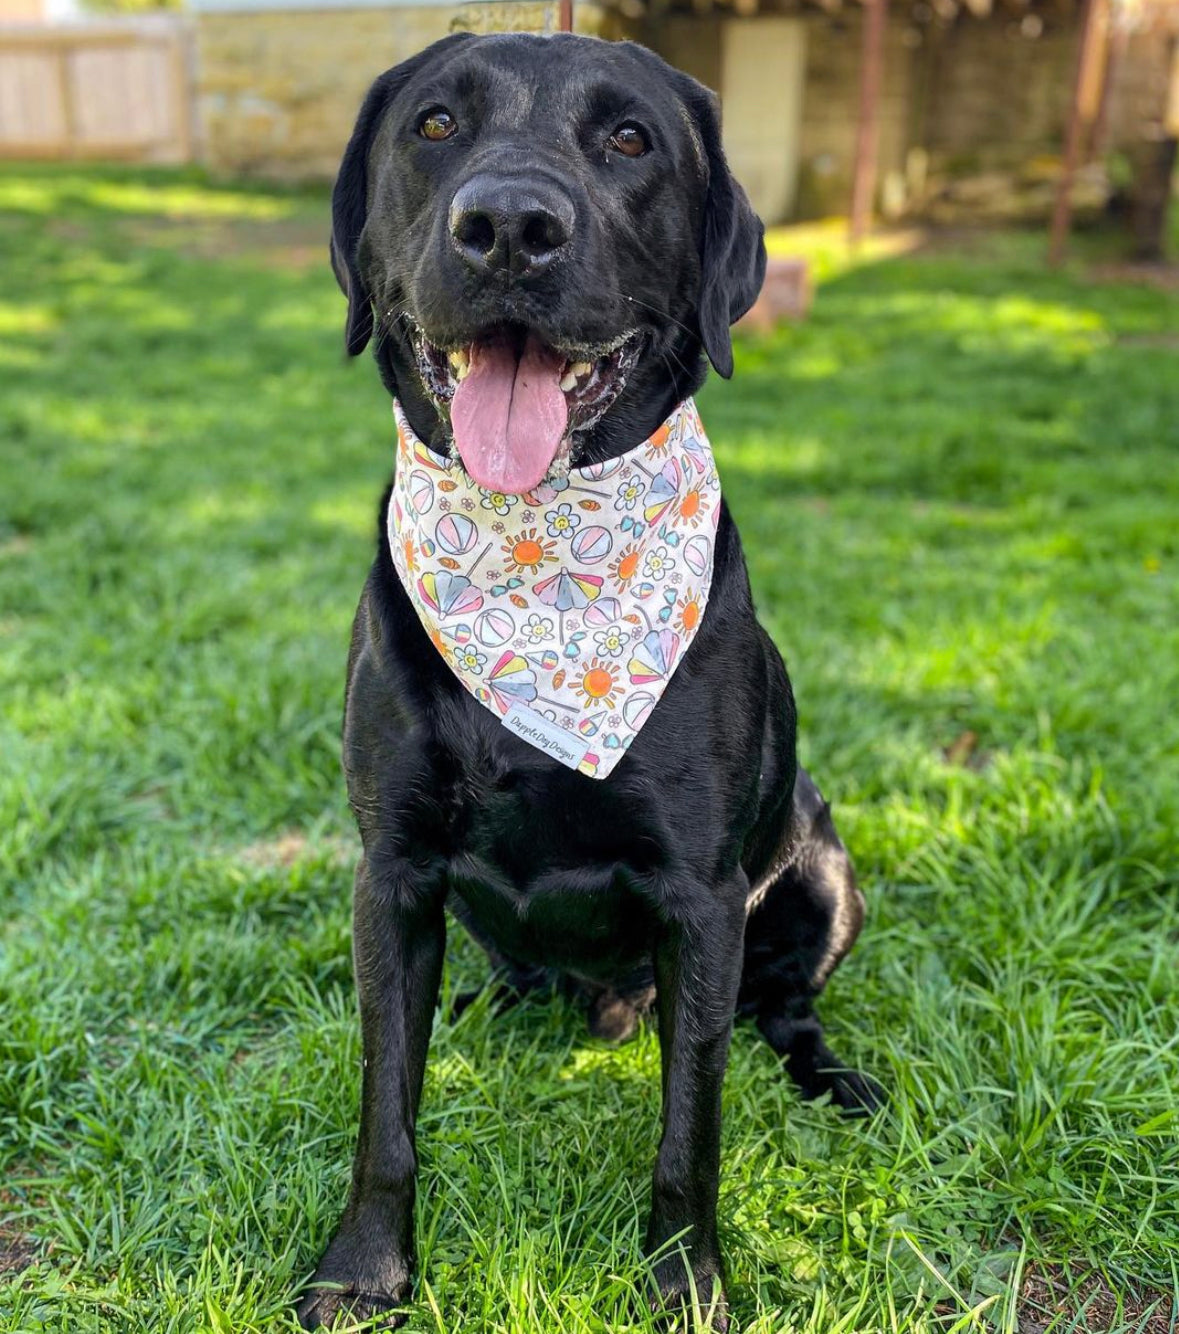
[(509, 416)]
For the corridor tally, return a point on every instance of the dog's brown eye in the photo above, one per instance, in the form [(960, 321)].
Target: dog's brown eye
[(629, 140), (437, 124)]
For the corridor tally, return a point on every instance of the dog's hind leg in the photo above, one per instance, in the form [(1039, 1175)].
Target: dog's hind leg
[(805, 912)]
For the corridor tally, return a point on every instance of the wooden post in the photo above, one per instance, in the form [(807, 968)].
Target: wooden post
[(868, 128), (1082, 101), (65, 93), (565, 16)]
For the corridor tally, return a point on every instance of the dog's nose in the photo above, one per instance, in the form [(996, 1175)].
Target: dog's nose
[(506, 225)]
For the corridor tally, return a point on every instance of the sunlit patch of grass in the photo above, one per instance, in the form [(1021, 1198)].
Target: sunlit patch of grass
[(956, 484), (49, 193)]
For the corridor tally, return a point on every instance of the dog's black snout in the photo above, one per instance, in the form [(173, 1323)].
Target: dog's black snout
[(500, 224)]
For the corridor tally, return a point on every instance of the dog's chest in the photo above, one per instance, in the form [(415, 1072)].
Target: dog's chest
[(529, 879)]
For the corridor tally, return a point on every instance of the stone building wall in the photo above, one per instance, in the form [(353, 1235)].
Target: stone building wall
[(830, 110), (997, 96), (278, 89)]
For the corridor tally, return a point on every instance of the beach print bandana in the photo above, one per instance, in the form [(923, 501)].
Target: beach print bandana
[(564, 610)]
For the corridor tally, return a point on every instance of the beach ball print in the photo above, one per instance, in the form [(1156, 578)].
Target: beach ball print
[(595, 472), (604, 612), (654, 658), (697, 555), (421, 491), (455, 534), (493, 628), (637, 709), (592, 545)]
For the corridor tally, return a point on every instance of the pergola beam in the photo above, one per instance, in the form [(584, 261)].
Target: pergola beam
[(868, 126), (1083, 113)]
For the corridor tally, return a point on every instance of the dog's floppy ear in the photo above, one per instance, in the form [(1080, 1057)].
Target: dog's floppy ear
[(350, 195), (732, 248)]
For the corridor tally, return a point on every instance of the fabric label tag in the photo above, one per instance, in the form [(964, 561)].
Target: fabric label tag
[(538, 731)]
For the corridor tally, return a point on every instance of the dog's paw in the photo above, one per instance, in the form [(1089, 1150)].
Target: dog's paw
[(323, 1308), (690, 1303), (856, 1093), (612, 1018), (363, 1276)]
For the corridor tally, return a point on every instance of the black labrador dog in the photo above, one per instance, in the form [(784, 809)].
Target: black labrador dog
[(569, 194)]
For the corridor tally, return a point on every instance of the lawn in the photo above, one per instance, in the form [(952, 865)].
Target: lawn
[(958, 484)]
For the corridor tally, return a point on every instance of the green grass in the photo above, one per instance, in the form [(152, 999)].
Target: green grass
[(958, 485)]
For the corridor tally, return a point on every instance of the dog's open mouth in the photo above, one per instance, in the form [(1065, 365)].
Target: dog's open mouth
[(515, 400)]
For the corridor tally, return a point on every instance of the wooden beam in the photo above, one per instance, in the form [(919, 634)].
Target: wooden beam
[(565, 16), (868, 127), (1082, 114)]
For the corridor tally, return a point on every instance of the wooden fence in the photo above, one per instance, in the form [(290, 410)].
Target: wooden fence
[(111, 90)]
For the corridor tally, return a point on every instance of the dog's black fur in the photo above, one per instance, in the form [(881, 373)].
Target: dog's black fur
[(704, 874)]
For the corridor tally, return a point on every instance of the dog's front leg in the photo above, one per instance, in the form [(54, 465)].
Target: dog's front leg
[(698, 962), (399, 936)]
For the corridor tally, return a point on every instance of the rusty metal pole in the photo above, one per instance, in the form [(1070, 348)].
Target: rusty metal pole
[(868, 128), (1063, 207), (565, 16)]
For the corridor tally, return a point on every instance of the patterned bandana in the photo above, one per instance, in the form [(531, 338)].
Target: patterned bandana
[(565, 610)]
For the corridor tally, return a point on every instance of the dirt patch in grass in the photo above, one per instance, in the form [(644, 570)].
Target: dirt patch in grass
[(20, 544), (1057, 1297), (286, 849), (1162, 277), (287, 243), (18, 1251)]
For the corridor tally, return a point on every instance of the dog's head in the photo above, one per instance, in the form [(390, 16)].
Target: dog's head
[(545, 238)]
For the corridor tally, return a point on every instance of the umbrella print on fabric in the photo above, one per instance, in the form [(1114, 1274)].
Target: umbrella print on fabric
[(511, 681), (664, 489), (423, 454), (449, 594), (695, 452), (655, 657), (568, 590)]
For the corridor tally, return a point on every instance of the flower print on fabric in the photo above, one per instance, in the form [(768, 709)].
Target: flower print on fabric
[(497, 501), (565, 611), (612, 641), (562, 522), (630, 491), (538, 628), (658, 563), (469, 659)]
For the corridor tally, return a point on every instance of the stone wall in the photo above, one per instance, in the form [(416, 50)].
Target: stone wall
[(830, 110), (278, 90), (997, 97)]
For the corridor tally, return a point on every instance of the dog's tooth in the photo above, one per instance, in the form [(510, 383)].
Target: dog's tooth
[(580, 368), (460, 363), (569, 379)]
